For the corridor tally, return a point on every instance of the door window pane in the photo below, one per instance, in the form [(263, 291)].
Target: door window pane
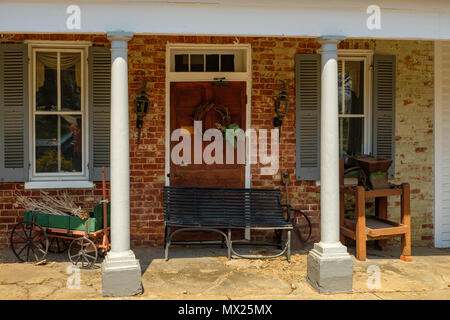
[(197, 62), (181, 63), (70, 64), (351, 136), (212, 62), (46, 81), (227, 62)]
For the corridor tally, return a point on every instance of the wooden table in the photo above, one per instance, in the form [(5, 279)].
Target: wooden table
[(364, 228)]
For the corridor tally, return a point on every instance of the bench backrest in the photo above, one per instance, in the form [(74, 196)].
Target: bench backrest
[(218, 203)]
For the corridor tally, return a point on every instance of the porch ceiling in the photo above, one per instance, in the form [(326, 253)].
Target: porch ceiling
[(400, 19)]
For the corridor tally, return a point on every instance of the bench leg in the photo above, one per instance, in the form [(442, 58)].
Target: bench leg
[(229, 244), (288, 244), (167, 243)]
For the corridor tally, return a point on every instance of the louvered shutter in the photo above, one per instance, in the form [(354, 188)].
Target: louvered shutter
[(307, 113), (99, 110), (384, 108), (13, 113)]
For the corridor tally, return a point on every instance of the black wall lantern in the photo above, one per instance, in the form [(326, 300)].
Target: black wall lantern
[(141, 103), (281, 106)]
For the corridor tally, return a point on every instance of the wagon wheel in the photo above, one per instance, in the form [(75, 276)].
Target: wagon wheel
[(29, 242), (58, 245), (84, 252), (302, 225)]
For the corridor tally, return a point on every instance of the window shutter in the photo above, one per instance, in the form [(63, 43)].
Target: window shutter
[(307, 113), (99, 111), (384, 108), (14, 162)]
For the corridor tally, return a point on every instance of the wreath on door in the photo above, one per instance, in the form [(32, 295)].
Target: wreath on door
[(224, 113)]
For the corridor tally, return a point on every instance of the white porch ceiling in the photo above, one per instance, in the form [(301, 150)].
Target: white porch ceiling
[(400, 19)]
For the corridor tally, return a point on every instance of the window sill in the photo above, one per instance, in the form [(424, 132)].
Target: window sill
[(59, 185)]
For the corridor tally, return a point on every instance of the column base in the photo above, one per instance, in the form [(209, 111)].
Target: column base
[(330, 268), (121, 275)]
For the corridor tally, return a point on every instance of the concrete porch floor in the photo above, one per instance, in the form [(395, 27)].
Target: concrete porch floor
[(205, 273)]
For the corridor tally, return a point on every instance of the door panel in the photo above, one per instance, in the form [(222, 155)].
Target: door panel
[(185, 98)]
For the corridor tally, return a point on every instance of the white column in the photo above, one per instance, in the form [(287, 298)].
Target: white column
[(330, 267), (120, 147), (121, 272)]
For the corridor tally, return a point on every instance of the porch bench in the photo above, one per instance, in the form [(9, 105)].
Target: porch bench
[(222, 210)]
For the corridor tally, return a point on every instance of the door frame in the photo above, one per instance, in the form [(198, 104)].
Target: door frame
[(207, 77)]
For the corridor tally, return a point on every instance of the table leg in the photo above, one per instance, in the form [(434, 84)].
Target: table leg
[(381, 204), (361, 236), (406, 220)]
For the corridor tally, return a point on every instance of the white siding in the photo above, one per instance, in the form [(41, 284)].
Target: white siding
[(442, 145)]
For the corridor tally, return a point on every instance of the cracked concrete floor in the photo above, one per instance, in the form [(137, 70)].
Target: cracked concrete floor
[(205, 273)]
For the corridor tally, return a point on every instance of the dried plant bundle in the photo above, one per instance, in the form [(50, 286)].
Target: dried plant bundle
[(62, 206)]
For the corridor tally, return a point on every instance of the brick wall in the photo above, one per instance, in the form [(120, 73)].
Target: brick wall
[(272, 60)]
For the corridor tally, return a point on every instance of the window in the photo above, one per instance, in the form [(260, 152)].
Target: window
[(208, 58), (58, 113), (354, 105)]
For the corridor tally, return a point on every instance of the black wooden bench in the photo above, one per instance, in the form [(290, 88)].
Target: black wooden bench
[(222, 210)]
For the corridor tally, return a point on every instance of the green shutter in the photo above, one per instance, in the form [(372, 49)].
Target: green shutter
[(307, 113), (384, 108), (99, 111), (14, 162)]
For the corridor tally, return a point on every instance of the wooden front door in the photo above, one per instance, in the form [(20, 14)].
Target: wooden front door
[(185, 99)]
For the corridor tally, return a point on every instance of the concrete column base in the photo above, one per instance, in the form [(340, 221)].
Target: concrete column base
[(121, 275), (330, 268)]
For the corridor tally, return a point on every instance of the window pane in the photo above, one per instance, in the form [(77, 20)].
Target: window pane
[(46, 143), (71, 143), (70, 64), (197, 63), (354, 87), (212, 62), (227, 62), (351, 136), (46, 81), (181, 63)]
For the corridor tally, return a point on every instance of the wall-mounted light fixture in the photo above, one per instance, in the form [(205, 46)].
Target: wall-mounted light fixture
[(281, 106), (141, 103)]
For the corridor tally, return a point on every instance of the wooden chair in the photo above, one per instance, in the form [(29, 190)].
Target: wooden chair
[(364, 228)]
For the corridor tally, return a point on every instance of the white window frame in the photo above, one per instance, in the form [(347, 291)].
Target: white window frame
[(63, 179), (367, 57)]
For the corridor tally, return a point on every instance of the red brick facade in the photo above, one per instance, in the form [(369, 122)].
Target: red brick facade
[(272, 60)]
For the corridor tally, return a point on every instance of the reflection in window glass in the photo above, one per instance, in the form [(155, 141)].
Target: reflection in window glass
[(46, 143), (46, 81), (181, 63), (197, 63), (351, 136), (70, 143), (70, 64)]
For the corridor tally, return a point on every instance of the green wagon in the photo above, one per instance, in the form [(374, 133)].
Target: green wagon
[(84, 240)]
